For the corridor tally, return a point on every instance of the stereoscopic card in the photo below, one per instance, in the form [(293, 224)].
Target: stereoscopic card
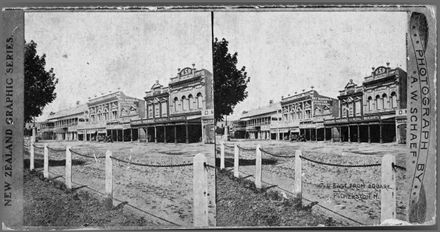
[(208, 117)]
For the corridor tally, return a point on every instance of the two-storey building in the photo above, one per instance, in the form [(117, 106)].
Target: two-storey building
[(258, 121), (303, 114), (110, 114), (373, 112), (181, 112), (63, 124)]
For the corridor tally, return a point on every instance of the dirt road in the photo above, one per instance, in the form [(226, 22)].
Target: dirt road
[(163, 194), (353, 193)]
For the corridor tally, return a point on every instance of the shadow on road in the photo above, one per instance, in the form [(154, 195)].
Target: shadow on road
[(38, 163), (229, 162)]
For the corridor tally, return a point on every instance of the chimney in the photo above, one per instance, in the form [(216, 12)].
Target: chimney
[(270, 102), (388, 64), (178, 72), (77, 103)]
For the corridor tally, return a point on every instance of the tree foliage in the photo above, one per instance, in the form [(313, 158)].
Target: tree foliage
[(39, 84), (230, 83)]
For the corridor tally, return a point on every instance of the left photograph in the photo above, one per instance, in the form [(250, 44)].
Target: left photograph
[(119, 120)]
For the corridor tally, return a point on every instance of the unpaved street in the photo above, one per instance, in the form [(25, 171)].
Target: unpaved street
[(161, 192), (351, 192)]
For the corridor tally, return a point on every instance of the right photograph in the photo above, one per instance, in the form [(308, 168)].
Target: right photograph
[(311, 111)]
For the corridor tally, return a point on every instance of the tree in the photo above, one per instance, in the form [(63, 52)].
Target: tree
[(39, 84), (230, 83)]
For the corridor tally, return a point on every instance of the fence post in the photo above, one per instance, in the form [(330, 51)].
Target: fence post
[(226, 134), (258, 167), (388, 195), (32, 152), (108, 180), (46, 162), (222, 155), (298, 175), (236, 160), (200, 191), (68, 168)]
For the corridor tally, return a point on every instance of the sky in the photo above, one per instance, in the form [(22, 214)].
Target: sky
[(286, 52), (97, 52)]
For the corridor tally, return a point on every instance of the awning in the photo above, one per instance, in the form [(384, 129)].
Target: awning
[(91, 131), (193, 117), (102, 131), (294, 130), (387, 116), (283, 130)]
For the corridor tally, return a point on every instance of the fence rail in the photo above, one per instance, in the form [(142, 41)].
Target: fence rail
[(388, 170), (200, 177)]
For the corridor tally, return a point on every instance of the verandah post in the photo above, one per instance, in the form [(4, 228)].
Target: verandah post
[(222, 155), (297, 189), (46, 162), (236, 160), (200, 191), (258, 167), (68, 178), (108, 180), (388, 194)]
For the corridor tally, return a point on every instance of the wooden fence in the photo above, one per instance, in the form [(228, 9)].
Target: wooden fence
[(200, 177), (388, 174)]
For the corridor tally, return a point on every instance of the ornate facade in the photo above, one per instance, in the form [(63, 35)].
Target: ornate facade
[(373, 112), (110, 115), (304, 114), (181, 112)]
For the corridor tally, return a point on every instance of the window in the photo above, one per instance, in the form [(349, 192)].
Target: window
[(184, 103), (351, 109), (176, 100), (150, 111), (393, 101), (199, 101), (385, 101), (191, 102), (370, 103), (344, 110), (378, 103), (157, 110), (357, 108), (164, 109)]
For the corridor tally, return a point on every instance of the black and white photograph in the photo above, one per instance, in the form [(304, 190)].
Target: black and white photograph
[(203, 116), (319, 135), (120, 103)]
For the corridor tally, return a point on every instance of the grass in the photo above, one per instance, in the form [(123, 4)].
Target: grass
[(48, 204), (239, 203)]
